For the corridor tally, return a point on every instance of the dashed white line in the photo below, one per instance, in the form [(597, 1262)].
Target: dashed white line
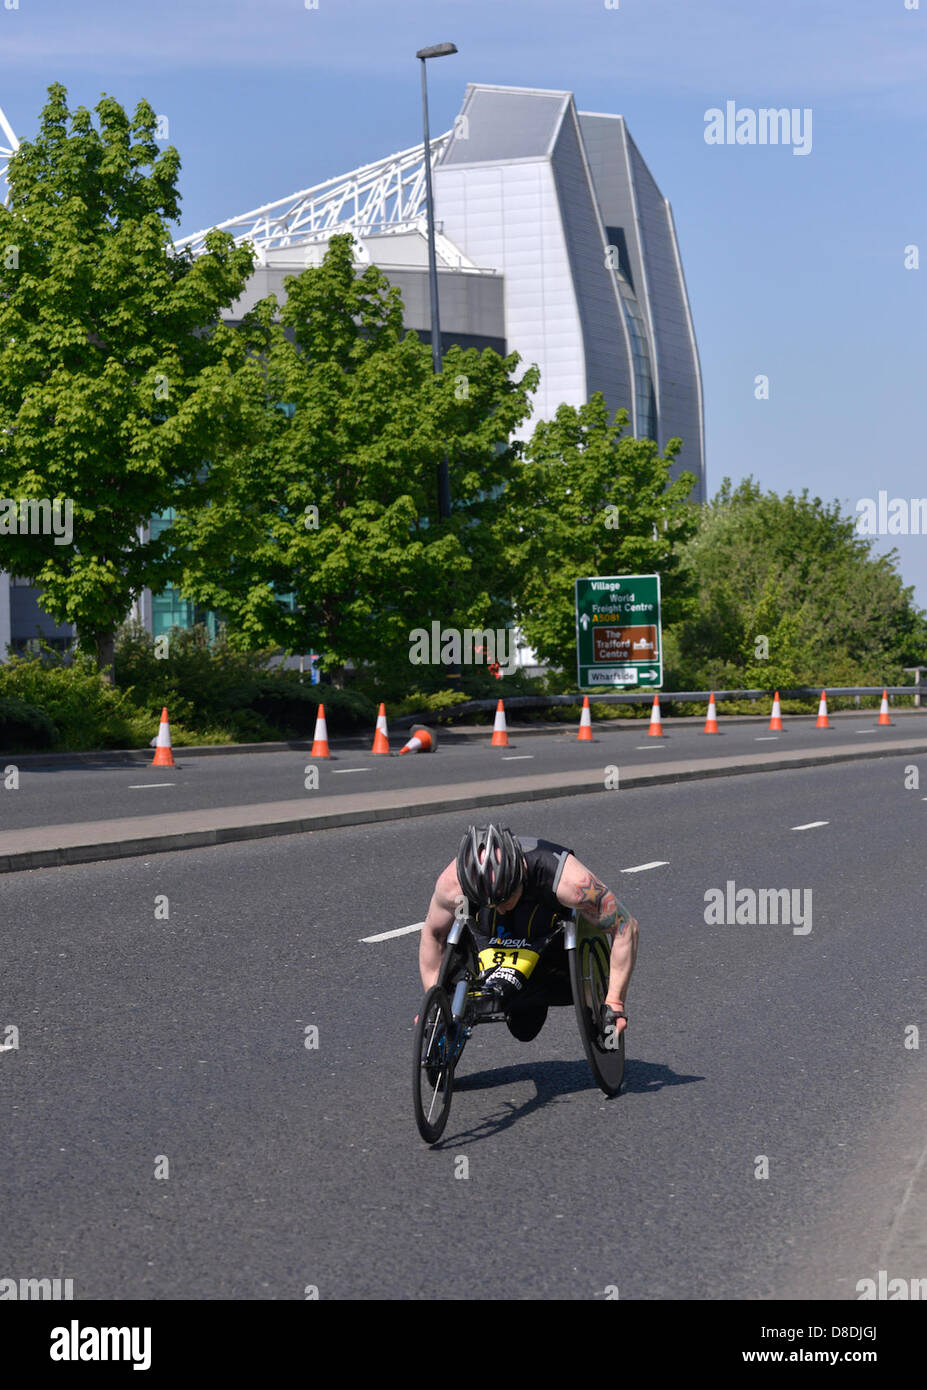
[(646, 747), (766, 738), (399, 931), (639, 868), (336, 771), (515, 757), (139, 786), (812, 825)]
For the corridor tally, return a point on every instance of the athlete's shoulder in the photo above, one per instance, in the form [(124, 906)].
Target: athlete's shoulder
[(532, 845), (545, 860), (447, 887)]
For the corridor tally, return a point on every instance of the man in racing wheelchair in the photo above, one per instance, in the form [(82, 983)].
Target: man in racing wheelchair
[(518, 889)]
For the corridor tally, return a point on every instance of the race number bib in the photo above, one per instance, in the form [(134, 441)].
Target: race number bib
[(520, 959)]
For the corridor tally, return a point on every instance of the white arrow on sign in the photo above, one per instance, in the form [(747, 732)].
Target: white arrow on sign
[(585, 621), (654, 674)]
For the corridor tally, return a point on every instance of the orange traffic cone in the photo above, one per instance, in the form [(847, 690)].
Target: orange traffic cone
[(320, 737), (711, 723), (422, 741), (883, 712), (823, 721), (585, 722), (500, 738), (381, 734), (776, 720), (163, 756), (656, 723)]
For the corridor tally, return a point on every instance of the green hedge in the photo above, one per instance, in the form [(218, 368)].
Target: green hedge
[(211, 687), (23, 727), (85, 712)]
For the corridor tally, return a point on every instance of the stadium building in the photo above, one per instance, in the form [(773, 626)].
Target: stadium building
[(553, 241)]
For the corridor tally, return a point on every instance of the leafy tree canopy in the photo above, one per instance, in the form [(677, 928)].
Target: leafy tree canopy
[(795, 571), (112, 394), (334, 507), (587, 499)]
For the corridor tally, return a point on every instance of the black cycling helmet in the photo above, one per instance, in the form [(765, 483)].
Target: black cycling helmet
[(490, 864)]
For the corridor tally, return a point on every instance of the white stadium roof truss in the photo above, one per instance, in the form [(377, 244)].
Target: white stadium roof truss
[(8, 147), (383, 198)]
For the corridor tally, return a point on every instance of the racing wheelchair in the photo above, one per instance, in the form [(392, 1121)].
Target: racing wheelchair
[(572, 968)]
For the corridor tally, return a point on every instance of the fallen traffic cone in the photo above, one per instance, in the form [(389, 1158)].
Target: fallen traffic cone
[(381, 733), (711, 723), (422, 741), (883, 712), (776, 720), (823, 721), (656, 723), (163, 756), (320, 737), (585, 722), (500, 738)]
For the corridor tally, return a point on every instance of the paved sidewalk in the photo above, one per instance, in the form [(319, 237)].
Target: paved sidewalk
[(56, 845)]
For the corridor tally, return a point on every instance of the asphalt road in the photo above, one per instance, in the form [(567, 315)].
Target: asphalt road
[(65, 796), (143, 1039)]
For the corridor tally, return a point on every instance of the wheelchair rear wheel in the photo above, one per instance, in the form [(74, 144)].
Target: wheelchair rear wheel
[(589, 979)]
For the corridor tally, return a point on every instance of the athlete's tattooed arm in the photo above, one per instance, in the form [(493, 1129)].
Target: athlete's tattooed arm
[(598, 904)]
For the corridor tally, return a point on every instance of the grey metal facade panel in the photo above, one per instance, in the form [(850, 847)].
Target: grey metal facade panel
[(630, 198), (604, 139), (470, 304), (679, 399), (496, 124), (608, 362)]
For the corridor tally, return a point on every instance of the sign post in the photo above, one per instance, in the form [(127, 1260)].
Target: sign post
[(619, 639)]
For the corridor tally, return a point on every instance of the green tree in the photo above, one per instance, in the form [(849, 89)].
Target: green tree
[(795, 570), (324, 531), (586, 499), (116, 379)]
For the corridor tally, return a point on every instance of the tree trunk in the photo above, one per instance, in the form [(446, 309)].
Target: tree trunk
[(106, 645)]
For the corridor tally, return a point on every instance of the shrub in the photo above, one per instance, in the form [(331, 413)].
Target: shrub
[(23, 727), (87, 712)]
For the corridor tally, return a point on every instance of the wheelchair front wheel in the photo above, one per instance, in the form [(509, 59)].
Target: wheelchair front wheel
[(433, 1065)]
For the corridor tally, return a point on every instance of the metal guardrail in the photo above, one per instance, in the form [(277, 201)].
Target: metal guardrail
[(517, 702)]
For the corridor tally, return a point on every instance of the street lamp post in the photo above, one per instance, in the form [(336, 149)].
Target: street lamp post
[(438, 50)]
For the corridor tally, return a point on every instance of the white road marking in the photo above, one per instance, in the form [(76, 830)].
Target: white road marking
[(336, 771), (865, 731), (515, 757), (812, 825), (399, 931), (138, 786), (639, 868), (640, 747), (766, 738)]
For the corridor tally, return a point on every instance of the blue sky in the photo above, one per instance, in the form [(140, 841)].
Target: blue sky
[(795, 265)]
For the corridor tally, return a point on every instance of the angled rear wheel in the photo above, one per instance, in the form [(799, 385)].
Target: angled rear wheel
[(589, 981)]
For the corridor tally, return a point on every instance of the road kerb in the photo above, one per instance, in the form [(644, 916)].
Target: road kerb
[(55, 846)]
